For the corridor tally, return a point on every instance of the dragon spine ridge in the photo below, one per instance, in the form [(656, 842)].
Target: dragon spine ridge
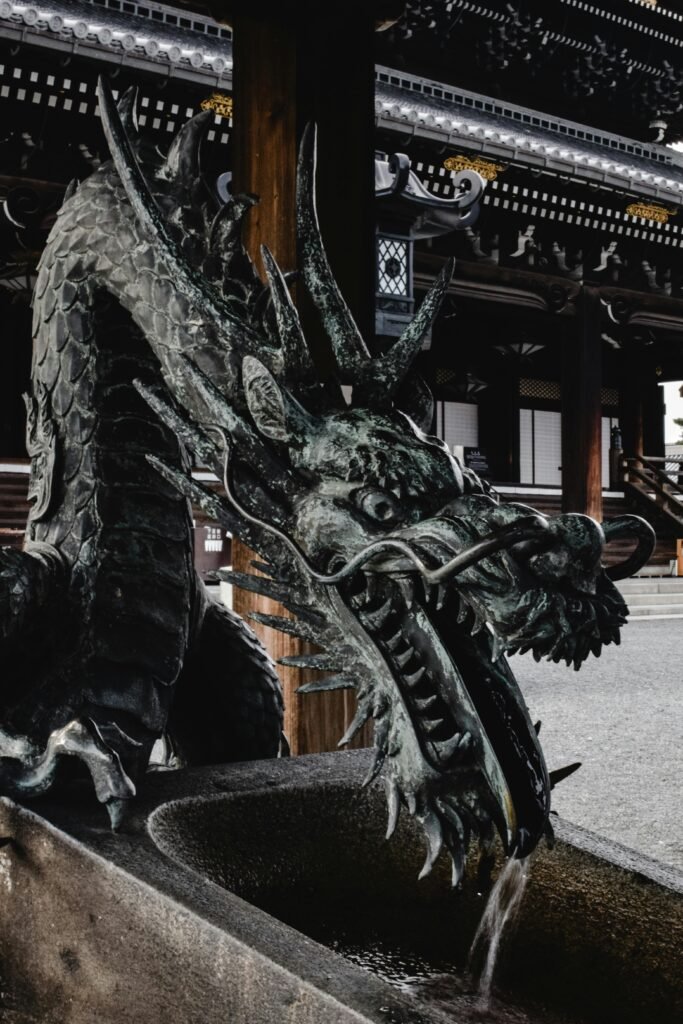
[(153, 336)]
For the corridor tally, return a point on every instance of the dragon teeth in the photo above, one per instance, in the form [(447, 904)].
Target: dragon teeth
[(393, 641), (407, 588), (445, 749), (414, 679), (374, 587), (427, 703), (498, 646), (465, 741), (440, 596), (479, 624), (376, 619), (432, 724), (458, 745), (403, 659)]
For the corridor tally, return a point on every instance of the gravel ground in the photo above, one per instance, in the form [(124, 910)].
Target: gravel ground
[(621, 715)]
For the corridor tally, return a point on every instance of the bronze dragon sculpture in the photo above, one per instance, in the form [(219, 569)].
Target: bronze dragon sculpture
[(154, 337)]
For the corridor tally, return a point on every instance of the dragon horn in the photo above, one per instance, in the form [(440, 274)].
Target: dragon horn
[(390, 369), (350, 350), (295, 356), (384, 374), (376, 379), (127, 107), (182, 160)]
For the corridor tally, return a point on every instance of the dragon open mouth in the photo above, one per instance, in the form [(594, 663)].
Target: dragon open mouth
[(461, 709)]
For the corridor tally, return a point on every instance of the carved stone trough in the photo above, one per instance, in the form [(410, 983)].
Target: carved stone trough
[(196, 912)]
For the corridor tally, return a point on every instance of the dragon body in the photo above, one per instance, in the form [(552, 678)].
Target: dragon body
[(154, 336)]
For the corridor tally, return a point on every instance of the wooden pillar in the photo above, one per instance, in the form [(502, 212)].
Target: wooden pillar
[(291, 65), (582, 411), (653, 417)]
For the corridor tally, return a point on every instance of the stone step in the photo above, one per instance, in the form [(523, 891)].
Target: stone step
[(662, 585), (658, 611), (640, 600)]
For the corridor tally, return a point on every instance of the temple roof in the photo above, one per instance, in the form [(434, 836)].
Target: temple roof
[(146, 35), (609, 63), (417, 107)]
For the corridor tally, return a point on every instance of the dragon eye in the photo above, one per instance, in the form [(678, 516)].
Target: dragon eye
[(376, 504)]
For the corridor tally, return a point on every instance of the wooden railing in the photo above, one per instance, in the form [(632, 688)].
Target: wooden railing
[(657, 481)]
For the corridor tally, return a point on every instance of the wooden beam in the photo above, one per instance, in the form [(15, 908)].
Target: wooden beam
[(582, 410)]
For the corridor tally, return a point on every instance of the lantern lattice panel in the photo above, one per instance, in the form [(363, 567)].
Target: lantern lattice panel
[(392, 266)]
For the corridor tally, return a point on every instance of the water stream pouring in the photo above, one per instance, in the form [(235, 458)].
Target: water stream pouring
[(502, 907)]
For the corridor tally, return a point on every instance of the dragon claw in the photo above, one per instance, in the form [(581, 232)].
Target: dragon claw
[(26, 772)]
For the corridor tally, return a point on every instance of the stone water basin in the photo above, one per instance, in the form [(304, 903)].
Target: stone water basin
[(599, 938), (265, 893)]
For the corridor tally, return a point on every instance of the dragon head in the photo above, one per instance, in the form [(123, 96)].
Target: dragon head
[(415, 580), (404, 568)]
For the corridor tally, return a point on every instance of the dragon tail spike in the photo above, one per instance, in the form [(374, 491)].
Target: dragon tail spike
[(389, 370), (127, 107), (350, 351), (296, 357), (182, 160)]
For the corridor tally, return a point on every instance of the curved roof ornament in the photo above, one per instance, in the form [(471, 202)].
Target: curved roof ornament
[(403, 195)]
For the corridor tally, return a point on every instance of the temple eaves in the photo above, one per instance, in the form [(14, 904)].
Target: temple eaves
[(418, 108), (144, 35)]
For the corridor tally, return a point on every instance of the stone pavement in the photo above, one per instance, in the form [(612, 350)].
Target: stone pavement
[(621, 715)]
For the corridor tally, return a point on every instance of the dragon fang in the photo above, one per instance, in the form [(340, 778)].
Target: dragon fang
[(154, 336)]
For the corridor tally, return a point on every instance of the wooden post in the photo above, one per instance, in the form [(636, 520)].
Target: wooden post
[(289, 68), (631, 400), (653, 416), (582, 411)]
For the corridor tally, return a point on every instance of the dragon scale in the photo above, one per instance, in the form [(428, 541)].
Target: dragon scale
[(155, 337)]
